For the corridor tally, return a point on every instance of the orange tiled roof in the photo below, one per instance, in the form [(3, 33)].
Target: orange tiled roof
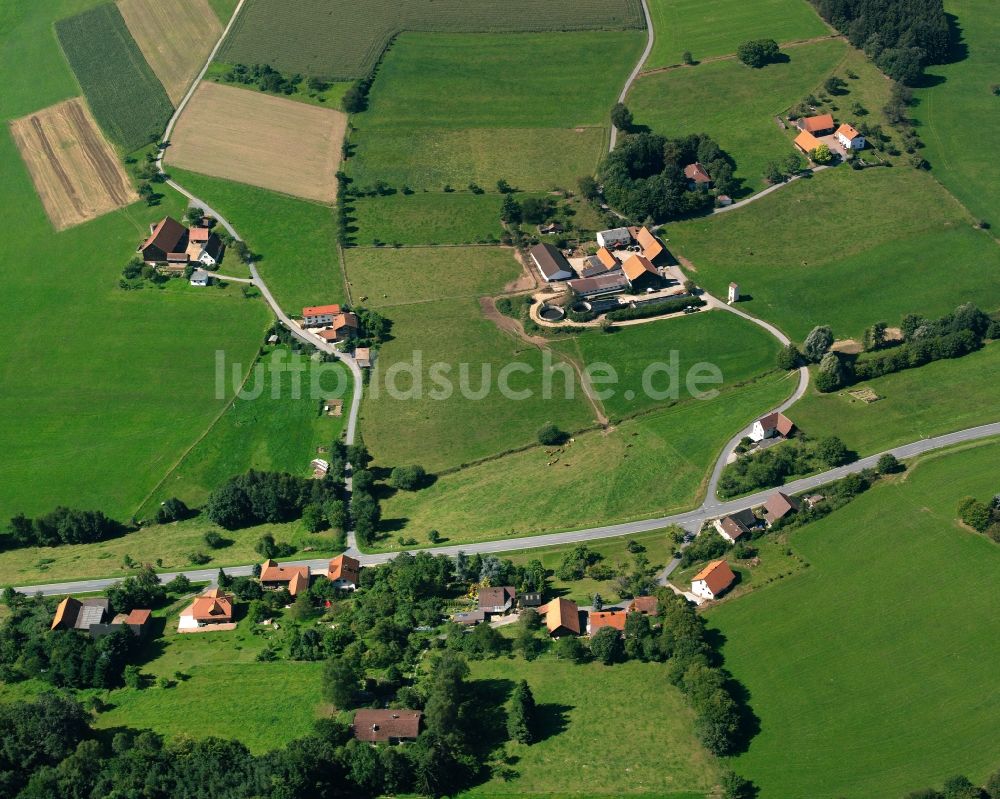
[(607, 618), (561, 613), (806, 142), (636, 265), (605, 256), (848, 132), (344, 567), (819, 122), (651, 246), (318, 310), (717, 576)]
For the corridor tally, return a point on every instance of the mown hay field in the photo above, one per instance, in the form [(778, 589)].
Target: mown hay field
[(708, 28), (175, 36), (879, 244), (674, 103), (128, 101), (342, 39), (266, 141), (455, 108), (873, 672), (75, 171)]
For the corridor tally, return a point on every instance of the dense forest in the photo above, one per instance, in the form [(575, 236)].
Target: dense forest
[(900, 36)]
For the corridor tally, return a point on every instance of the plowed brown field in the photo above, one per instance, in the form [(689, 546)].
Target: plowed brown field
[(266, 141), (75, 171)]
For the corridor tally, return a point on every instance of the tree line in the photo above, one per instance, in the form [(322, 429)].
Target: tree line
[(901, 38), (923, 340)]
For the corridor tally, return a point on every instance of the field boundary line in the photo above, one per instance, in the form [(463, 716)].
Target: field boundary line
[(732, 56), (200, 438)]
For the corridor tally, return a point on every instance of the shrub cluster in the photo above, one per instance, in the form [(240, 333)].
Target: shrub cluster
[(654, 309), (264, 77), (266, 497), (776, 465), (984, 517), (951, 336), (61, 526)]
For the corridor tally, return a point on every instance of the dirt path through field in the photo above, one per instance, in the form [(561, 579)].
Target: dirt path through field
[(508, 325)]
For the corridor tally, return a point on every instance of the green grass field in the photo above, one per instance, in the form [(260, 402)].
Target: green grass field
[(103, 389), (342, 40), (659, 549), (873, 671), (223, 9), (216, 699), (953, 113), (741, 118), (918, 403), (739, 350), (650, 751), (128, 101), (431, 296), (170, 545), (427, 218), (655, 464), (846, 249), (450, 109), (717, 27), (275, 431), (296, 239)]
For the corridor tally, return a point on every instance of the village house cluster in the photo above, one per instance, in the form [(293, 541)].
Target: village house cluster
[(171, 247), (560, 616)]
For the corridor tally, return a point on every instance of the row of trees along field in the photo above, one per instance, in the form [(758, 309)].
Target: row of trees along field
[(922, 340)]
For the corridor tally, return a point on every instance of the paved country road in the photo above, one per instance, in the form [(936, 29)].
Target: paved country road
[(650, 39), (690, 520)]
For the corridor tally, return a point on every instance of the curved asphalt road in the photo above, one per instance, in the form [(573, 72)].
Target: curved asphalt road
[(689, 520), (650, 39)]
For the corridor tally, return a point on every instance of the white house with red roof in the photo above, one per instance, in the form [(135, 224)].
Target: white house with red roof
[(774, 424), (713, 581), (850, 138), (317, 315)]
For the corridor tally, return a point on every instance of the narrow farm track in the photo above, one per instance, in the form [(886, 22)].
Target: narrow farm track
[(650, 40), (690, 520), (255, 277)]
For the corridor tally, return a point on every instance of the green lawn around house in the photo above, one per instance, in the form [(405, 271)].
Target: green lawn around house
[(454, 109), (872, 671), (717, 27), (846, 249), (937, 398), (223, 677), (275, 425), (652, 752), (654, 464), (445, 417), (658, 547), (954, 112), (774, 560), (167, 547), (294, 239), (343, 39), (426, 218), (735, 104), (642, 357)]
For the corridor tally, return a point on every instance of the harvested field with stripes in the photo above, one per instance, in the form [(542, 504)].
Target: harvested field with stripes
[(265, 141), (75, 171), (175, 36)]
